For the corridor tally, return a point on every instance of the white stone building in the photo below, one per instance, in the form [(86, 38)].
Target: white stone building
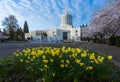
[(66, 32)]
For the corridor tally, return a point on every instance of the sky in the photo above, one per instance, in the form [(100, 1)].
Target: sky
[(46, 14)]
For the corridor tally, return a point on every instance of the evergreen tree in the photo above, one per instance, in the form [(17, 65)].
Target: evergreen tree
[(19, 35), (25, 29)]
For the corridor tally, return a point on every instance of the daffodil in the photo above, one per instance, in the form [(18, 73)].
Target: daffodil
[(96, 61), (53, 53), (16, 54), (33, 53), (28, 57), (60, 56), (67, 61), (62, 66), (92, 56), (53, 74), (83, 55), (81, 64), (77, 61), (66, 65), (21, 60), (78, 50), (110, 57), (62, 61), (45, 66), (33, 57), (45, 61), (51, 60), (44, 57), (89, 68)]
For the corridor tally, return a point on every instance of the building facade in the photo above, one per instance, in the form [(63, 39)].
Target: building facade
[(66, 32)]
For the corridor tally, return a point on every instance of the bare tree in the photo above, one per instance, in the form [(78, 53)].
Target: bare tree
[(11, 25)]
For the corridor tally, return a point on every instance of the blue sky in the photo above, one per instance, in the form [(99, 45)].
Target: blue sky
[(46, 14)]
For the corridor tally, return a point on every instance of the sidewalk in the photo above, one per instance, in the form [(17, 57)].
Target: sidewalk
[(103, 49)]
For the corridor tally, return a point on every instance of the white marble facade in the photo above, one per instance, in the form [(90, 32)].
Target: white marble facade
[(66, 32)]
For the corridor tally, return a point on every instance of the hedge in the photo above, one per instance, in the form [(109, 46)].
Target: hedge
[(117, 41)]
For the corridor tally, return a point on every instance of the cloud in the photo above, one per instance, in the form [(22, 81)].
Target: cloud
[(46, 14)]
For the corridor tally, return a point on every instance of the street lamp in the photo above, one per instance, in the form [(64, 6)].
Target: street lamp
[(81, 32)]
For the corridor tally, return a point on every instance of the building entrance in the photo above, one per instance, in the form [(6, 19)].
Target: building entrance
[(65, 35)]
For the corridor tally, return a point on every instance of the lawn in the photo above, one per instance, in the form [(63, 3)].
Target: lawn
[(66, 64)]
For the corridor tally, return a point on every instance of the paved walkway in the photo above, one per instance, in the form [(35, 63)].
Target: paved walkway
[(7, 49), (104, 49)]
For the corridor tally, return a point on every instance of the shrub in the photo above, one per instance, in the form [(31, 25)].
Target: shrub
[(94, 40), (118, 41), (112, 40)]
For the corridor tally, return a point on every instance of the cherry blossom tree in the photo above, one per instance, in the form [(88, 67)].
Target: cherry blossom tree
[(105, 22)]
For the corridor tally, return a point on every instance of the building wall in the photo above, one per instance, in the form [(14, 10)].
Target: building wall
[(76, 34), (57, 34), (66, 20)]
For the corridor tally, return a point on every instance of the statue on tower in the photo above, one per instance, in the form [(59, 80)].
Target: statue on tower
[(66, 10)]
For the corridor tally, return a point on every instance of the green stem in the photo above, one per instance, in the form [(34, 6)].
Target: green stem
[(75, 80)]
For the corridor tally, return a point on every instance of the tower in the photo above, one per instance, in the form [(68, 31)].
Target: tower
[(66, 19)]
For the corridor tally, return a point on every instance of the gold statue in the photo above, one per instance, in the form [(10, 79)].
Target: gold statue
[(66, 10)]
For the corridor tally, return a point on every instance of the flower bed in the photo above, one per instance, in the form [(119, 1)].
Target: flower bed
[(46, 64)]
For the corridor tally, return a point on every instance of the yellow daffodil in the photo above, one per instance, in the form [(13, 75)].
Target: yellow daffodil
[(69, 49), (53, 53), (16, 54), (28, 57), (73, 50), (18, 50), (45, 61), (78, 50), (45, 66), (32, 59), (41, 69), (83, 55), (51, 60), (62, 66), (62, 61), (74, 55), (102, 58), (67, 61), (21, 60), (44, 57), (110, 57), (81, 64), (89, 68), (92, 56), (53, 74), (66, 65), (33, 53), (77, 61), (60, 56), (96, 61)]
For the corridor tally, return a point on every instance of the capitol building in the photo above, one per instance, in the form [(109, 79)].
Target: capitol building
[(65, 32)]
